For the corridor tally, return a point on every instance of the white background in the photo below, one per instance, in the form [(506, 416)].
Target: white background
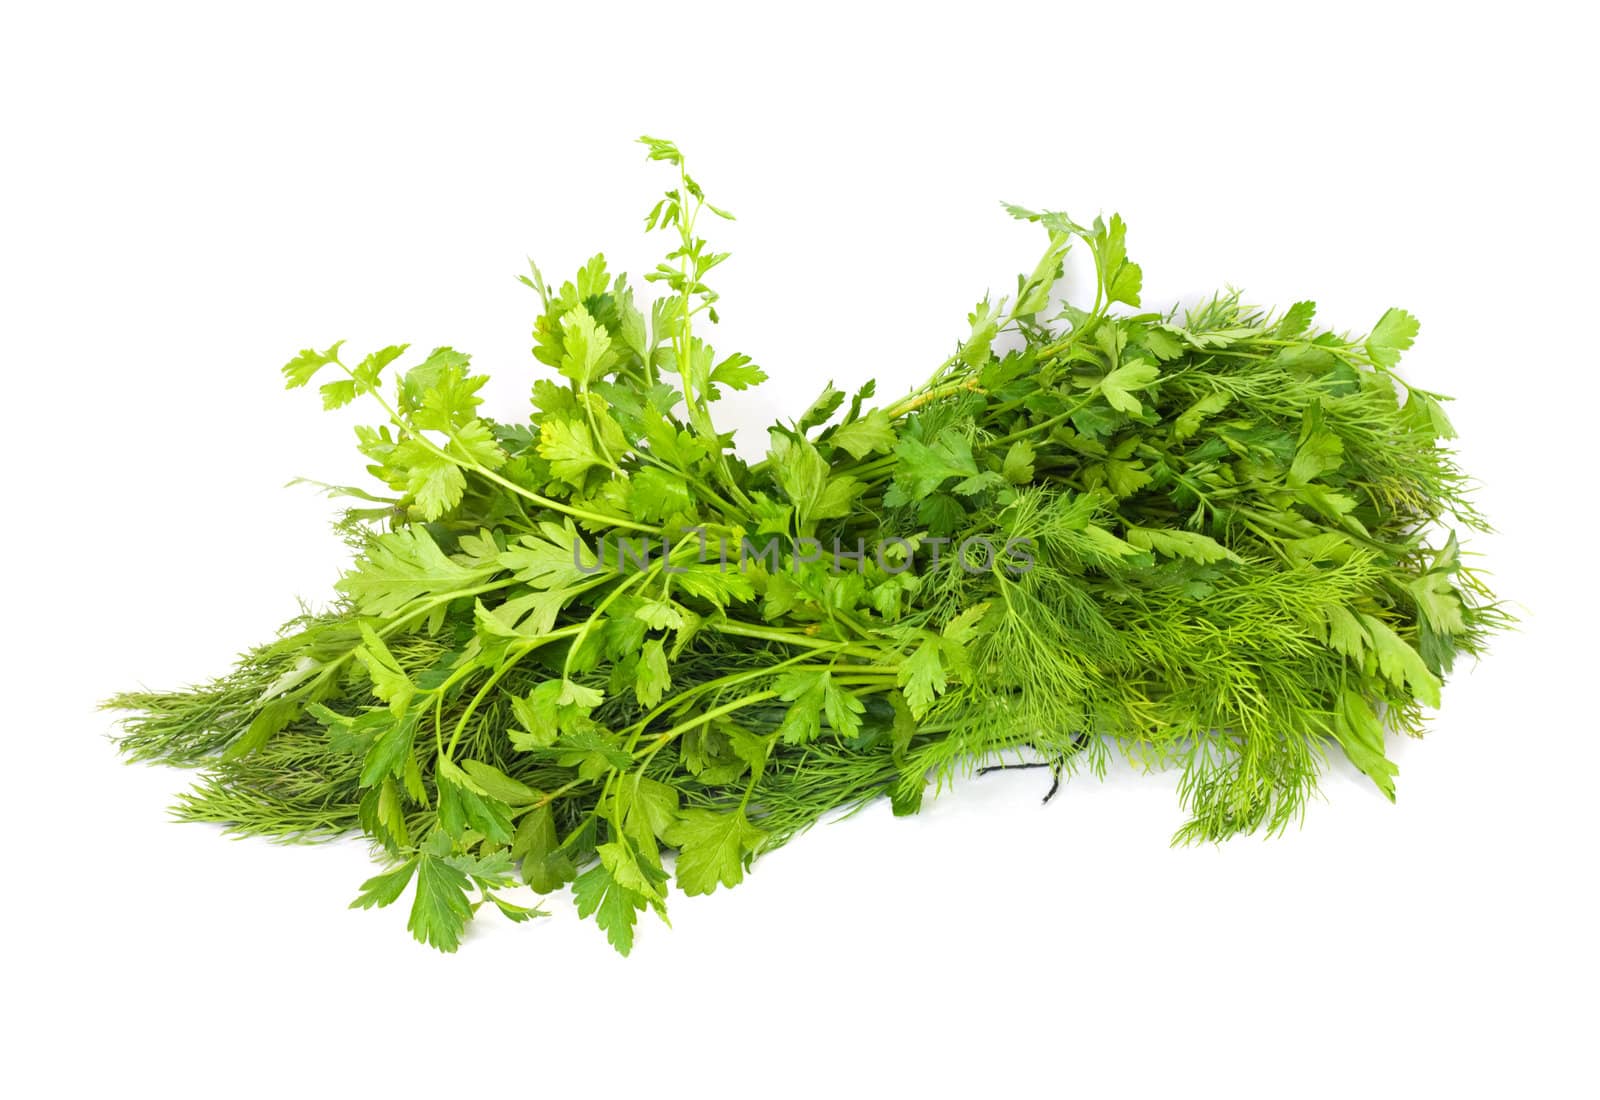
[(192, 194)]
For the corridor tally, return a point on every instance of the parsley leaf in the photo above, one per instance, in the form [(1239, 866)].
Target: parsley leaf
[(713, 848)]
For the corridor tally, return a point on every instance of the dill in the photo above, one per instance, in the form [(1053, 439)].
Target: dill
[(1227, 544)]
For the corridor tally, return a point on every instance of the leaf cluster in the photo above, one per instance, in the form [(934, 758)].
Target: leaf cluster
[(1241, 559)]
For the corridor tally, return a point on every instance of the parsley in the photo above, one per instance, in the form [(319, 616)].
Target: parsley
[(1223, 541)]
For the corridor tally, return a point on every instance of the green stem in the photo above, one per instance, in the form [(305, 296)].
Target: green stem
[(923, 395), (787, 637), (484, 471), (391, 627), (600, 608), (710, 715), (1043, 425)]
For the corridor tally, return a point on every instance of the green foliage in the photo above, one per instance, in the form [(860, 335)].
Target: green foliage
[(1222, 541), (713, 848)]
